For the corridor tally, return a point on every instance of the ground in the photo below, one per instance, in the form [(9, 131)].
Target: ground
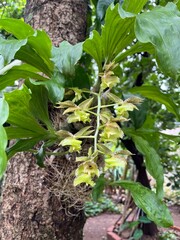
[(95, 228)]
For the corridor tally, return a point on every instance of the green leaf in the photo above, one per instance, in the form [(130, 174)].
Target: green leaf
[(139, 116), (18, 132), (23, 145), (164, 36), (8, 48), (39, 103), (152, 161), (93, 46), (4, 111), (134, 6), (3, 144), (136, 48), (40, 156), (99, 187), (137, 234), (19, 111), (28, 55), (101, 8), (55, 87), (17, 27), (41, 43), (155, 94), (17, 72), (144, 219), (117, 33), (66, 56), (148, 201)]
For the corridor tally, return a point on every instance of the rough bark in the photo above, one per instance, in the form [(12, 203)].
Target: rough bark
[(62, 19), (41, 204)]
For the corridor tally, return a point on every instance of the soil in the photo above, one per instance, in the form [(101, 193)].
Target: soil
[(96, 227)]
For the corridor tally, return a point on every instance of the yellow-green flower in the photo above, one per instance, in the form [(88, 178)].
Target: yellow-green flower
[(78, 116), (89, 168), (111, 133), (74, 144)]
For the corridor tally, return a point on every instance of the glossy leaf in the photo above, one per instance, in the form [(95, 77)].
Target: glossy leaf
[(117, 33), (93, 46), (18, 132), (155, 94), (28, 55), (17, 27), (136, 48), (18, 72), (164, 36), (8, 48), (66, 56), (41, 43), (39, 103), (148, 201), (134, 6), (19, 112), (152, 162), (55, 87)]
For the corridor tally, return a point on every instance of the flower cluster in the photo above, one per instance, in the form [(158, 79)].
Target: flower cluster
[(110, 112)]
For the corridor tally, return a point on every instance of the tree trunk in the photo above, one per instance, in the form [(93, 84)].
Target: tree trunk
[(42, 204)]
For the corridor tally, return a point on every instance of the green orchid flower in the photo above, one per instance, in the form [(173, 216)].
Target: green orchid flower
[(74, 144), (111, 133)]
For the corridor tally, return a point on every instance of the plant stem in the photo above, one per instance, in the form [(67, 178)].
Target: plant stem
[(98, 122)]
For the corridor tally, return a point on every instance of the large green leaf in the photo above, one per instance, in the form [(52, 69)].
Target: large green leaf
[(19, 72), (134, 6), (17, 27), (117, 33), (93, 46), (28, 55), (19, 111), (18, 132), (55, 87), (8, 48), (136, 48), (39, 103), (152, 162), (66, 56), (147, 200), (4, 112), (161, 27), (22, 145), (155, 94), (41, 43)]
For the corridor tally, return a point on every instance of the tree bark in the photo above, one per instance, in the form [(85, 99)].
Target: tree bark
[(41, 203)]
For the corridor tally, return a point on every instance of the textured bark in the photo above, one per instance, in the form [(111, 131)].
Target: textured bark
[(62, 19), (42, 204)]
